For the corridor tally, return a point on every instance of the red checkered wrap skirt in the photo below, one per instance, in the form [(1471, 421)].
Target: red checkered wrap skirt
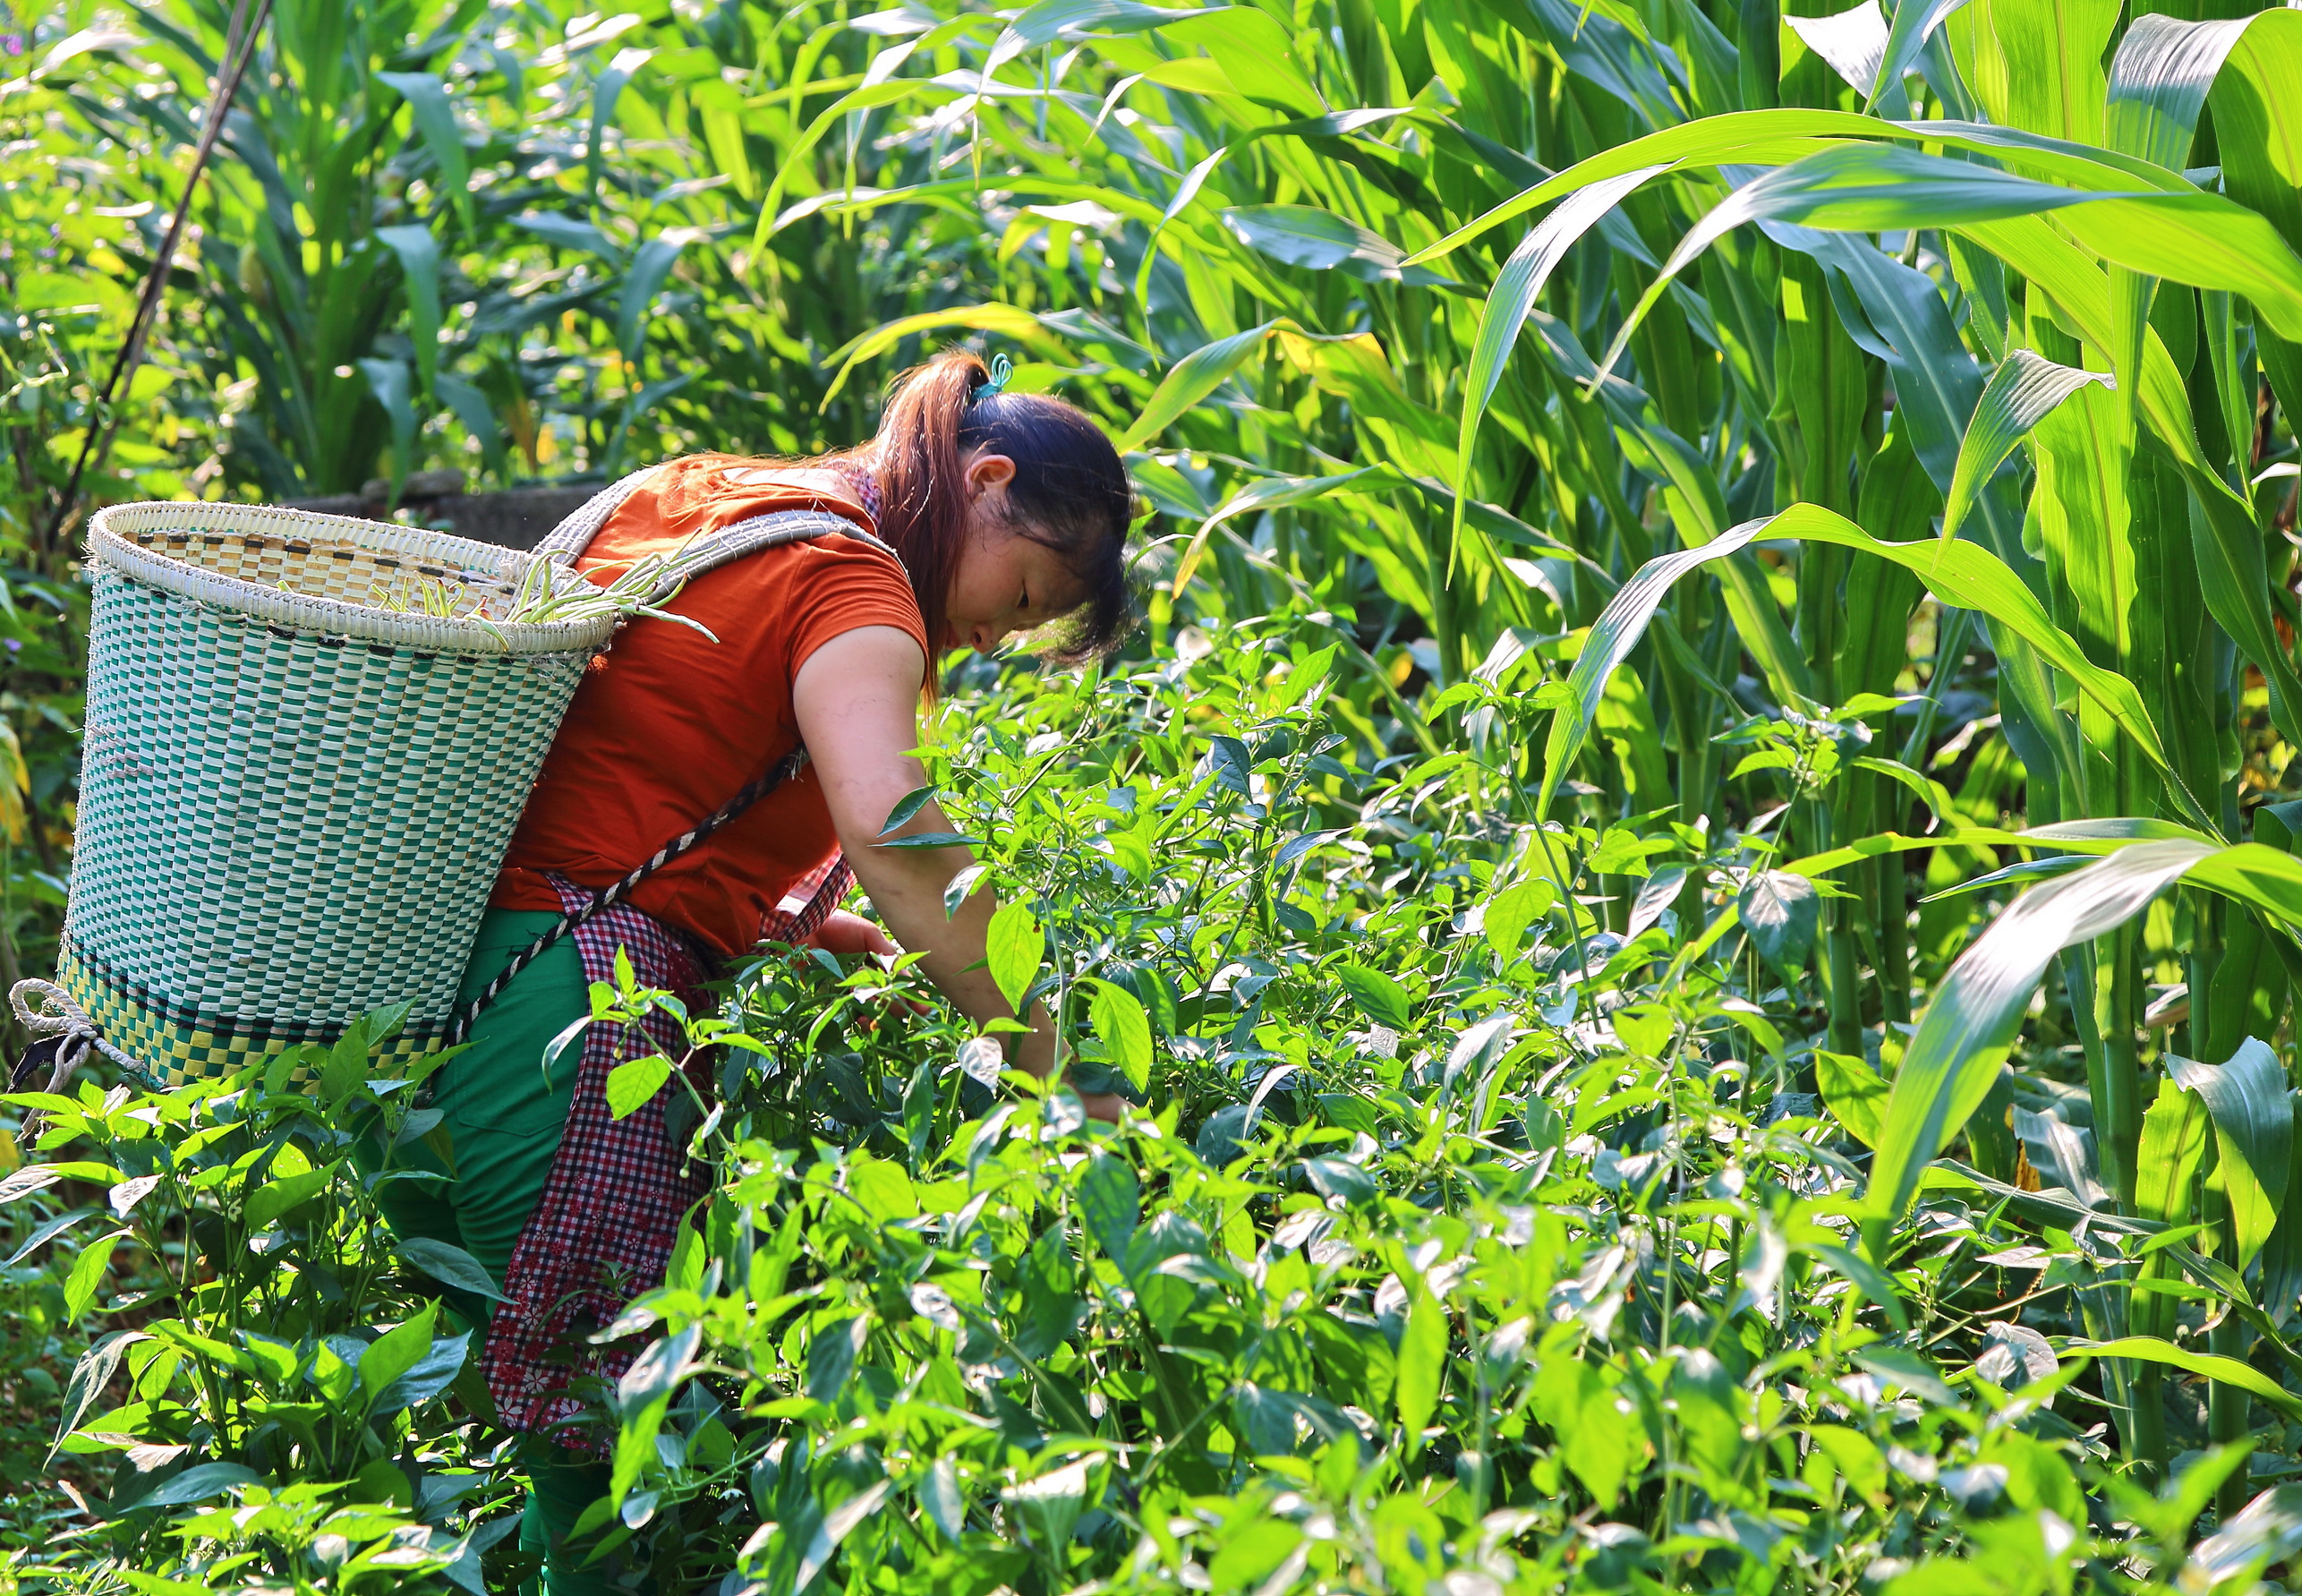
[(611, 1209)]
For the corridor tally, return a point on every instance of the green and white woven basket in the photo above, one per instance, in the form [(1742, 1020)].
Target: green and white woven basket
[(297, 786)]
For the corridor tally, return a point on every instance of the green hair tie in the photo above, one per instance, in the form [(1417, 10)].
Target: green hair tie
[(1001, 369)]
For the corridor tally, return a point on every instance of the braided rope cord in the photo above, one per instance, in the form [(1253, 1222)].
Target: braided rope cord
[(609, 896)]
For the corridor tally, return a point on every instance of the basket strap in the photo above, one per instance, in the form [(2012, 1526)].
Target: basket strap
[(566, 541), (569, 539), (749, 536), (609, 896)]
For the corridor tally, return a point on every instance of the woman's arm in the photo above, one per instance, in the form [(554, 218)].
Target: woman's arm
[(857, 700)]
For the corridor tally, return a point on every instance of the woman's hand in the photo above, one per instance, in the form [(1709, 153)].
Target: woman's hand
[(845, 933), (856, 699)]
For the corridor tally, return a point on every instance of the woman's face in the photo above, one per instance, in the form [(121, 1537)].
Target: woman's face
[(1005, 583)]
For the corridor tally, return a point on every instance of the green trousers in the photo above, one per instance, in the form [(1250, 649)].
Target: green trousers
[(504, 1116)]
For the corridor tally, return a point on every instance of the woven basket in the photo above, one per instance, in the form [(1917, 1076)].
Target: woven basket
[(294, 799)]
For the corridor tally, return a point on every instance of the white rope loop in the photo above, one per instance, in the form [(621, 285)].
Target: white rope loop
[(61, 1015)]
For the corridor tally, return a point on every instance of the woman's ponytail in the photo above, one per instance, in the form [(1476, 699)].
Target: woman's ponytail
[(1070, 492)]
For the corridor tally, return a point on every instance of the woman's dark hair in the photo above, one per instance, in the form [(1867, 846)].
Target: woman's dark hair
[(1070, 492)]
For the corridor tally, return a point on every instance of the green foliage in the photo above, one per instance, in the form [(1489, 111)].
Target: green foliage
[(1703, 935)]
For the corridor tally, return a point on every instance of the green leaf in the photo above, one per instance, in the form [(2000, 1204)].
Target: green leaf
[(276, 1199), (1193, 378), (1271, 493), (1914, 1372), (1855, 1092), (2258, 120), (419, 259), (87, 1273), (1958, 574), (1074, 20), (1936, 381), (1005, 320), (1383, 999), (933, 839), (1751, 138), (2173, 1140), (2023, 390), (435, 124), (649, 267), (1111, 1202), (90, 1375), (388, 379), (1780, 912), (1776, 137), (396, 1351), (2253, 1130), (720, 109), (2188, 237), (868, 97), (2258, 134), (2228, 1371), (642, 1395), (479, 418), (631, 1086), (197, 1484), (1915, 21), (2232, 571), (430, 1375), (1125, 1029), (1510, 912), (1013, 947), (880, 1188), (1963, 1036), (1853, 41), (36, 1177), (1516, 288), (832, 1350), (658, 1371), (570, 233), (1422, 1365), (2166, 1167), (1305, 235), (1600, 1443), (47, 1231), (1254, 50), (2159, 81), (1866, 1277), (909, 804)]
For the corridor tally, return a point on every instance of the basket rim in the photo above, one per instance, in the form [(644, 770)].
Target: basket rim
[(113, 539)]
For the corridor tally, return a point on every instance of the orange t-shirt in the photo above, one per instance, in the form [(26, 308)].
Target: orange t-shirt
[(668, 725)]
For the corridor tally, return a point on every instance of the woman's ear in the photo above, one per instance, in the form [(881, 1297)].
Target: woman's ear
[(988, 471)]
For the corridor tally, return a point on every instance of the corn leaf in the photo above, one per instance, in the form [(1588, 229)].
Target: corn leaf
[(1853, 42), (2253, 1130), (1963, 1036), (1516, 288), (1958, 573), (2023, 390), (435, 124), (2228, 1371)]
